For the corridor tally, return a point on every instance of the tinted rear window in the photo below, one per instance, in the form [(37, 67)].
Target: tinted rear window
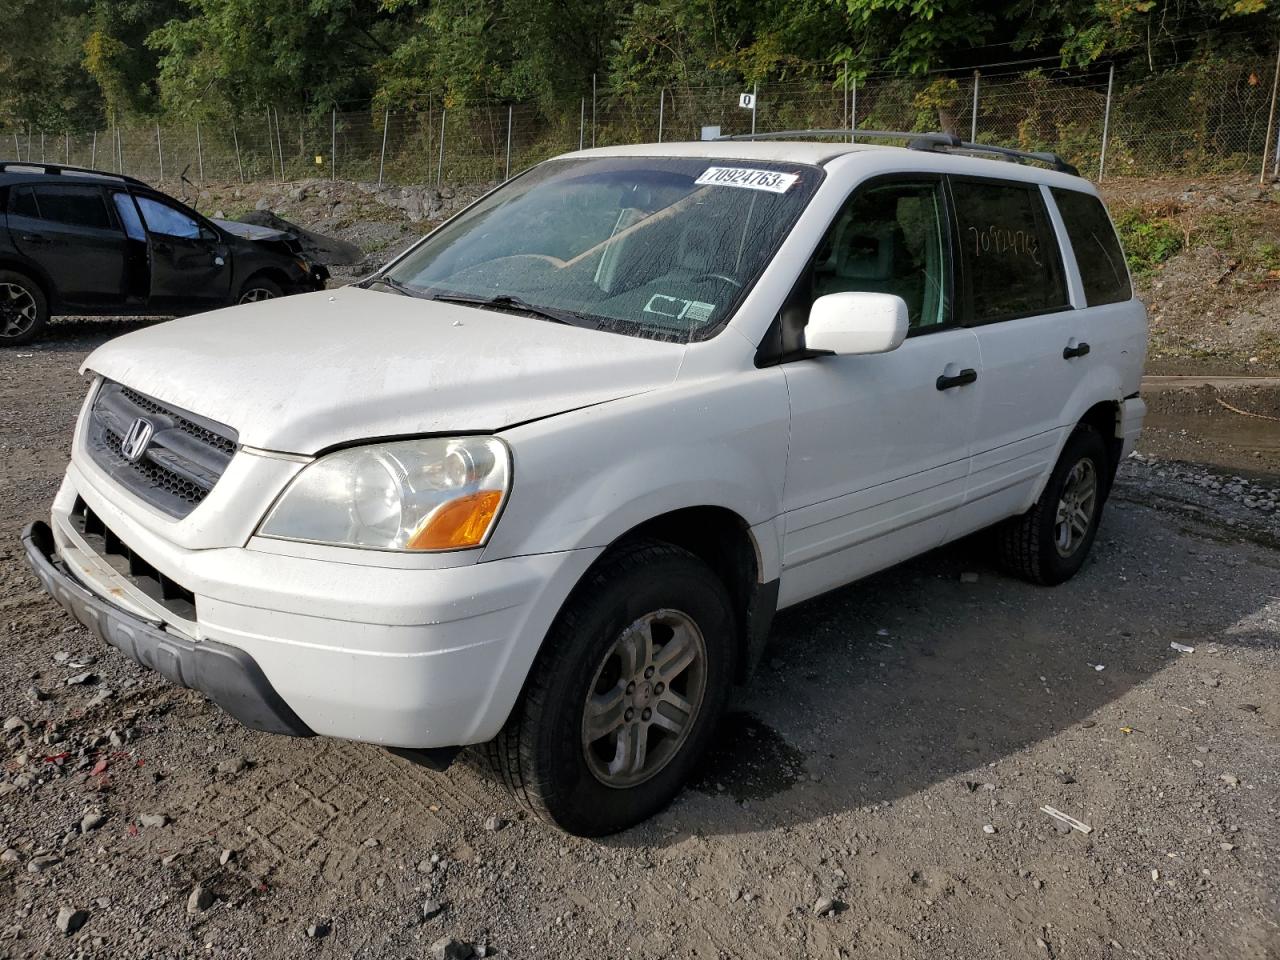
[(78, 206), (1008, 251), (1097, 250), (22, 203)]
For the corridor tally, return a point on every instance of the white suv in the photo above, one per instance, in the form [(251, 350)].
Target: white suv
[(543, 481)]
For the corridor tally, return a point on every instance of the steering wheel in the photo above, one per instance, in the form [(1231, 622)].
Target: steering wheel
[(704, 277)]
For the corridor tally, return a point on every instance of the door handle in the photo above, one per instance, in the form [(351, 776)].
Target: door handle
[(967, 375), (35, 238), (1079, 350)]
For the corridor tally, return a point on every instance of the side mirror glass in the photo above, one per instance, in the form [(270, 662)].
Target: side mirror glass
[(856, 323)]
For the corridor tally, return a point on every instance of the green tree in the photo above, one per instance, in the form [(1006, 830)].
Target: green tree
[(42, 80)]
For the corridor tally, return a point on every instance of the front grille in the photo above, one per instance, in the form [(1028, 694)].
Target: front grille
[(169, 594), (185, 457)]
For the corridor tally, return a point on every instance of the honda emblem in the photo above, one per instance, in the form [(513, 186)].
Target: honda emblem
[(137, 439)]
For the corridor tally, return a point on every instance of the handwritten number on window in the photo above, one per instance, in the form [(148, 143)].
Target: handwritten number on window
[(1002, 241)]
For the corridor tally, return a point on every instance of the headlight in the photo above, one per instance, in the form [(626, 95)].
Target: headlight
[(434, 494)]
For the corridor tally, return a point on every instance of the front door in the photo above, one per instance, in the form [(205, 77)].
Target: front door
[(69, 231), (190, 268), (880, 444)]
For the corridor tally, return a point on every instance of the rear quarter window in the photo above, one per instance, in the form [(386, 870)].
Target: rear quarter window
[(1009, 256), (1097, 249), (22, 203)]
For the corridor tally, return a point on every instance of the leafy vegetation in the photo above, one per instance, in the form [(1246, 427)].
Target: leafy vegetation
[(1148, 238), (78, 63)]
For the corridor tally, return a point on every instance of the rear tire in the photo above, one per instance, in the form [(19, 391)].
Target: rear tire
[(1049, 543), (599, 740), (24, 310), (259, 288)]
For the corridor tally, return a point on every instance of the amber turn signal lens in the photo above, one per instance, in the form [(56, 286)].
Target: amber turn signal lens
[(459, 523)]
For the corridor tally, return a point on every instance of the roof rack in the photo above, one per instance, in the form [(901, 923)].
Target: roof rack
[(920, 141), (55, 169)]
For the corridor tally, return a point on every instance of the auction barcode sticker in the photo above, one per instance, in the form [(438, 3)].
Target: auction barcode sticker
[(747, 178)]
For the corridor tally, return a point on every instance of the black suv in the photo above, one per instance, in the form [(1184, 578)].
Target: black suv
[(76, 241)]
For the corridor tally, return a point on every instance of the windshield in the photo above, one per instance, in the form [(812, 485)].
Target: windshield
[(656, 247)]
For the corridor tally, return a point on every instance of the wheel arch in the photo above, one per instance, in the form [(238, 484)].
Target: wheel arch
[(275, 274), (36, 273), (723, 540), (1104, 417)]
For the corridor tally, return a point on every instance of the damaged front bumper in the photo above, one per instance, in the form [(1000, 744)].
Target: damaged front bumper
[(226, 675)]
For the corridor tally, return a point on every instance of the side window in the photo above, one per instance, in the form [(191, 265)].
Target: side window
[(1007, 251), (890, 238), (75, 206), (170, 221), (22, 203), (1097, 249), (129, 216)]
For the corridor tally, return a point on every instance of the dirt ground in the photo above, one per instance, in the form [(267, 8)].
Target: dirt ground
[(892, 723)]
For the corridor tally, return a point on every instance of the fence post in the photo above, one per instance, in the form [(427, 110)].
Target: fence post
[(508, 173), (973, 125), (593, 111), (93, 157), (68, 142), (662, 104), (1106, 124), (582, 121), (1271, 119), (42, 146), (271, 145), (755, 92), (199, 154), (160, 152), (382, 158), (235, 137), (853, 111), (279, 144), (444, 112), (17, 144), (333, 145)]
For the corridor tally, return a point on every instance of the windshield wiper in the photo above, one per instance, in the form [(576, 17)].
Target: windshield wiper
[(398, 286), (505, 301)]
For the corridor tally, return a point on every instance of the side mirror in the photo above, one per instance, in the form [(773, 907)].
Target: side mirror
[(856, 323)]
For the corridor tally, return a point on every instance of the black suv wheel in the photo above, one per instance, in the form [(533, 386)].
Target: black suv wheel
[(23, 309)]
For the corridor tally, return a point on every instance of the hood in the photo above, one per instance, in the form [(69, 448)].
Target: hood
[(299, 374), (249, 231)]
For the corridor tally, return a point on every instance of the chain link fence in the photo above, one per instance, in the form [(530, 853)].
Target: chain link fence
[(1201, 118)]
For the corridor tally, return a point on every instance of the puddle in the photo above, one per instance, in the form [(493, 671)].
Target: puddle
[(1249, 433), (748, 760)]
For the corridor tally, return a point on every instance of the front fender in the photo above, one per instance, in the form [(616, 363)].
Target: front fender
[(585, 478)]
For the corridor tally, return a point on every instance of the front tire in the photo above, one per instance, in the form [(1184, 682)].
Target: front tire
[(259, 288), (1049, 543), (24, 310), (622, 701)]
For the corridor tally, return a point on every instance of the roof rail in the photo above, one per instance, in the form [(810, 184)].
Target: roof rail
[(54, 169), (920, 141)]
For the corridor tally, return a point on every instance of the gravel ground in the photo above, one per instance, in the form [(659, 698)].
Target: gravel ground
[(876, 792)]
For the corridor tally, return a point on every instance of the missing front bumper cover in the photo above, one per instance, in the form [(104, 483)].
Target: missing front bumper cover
[(226, 675)]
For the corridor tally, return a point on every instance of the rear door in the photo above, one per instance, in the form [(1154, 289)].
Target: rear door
[(1014, 296), (190, 267), (69, 230), (879, 449)]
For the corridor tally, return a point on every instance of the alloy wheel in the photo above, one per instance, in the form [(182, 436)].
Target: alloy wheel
[(1076, 507), (18, 310), (255, 294), (644, 699)]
